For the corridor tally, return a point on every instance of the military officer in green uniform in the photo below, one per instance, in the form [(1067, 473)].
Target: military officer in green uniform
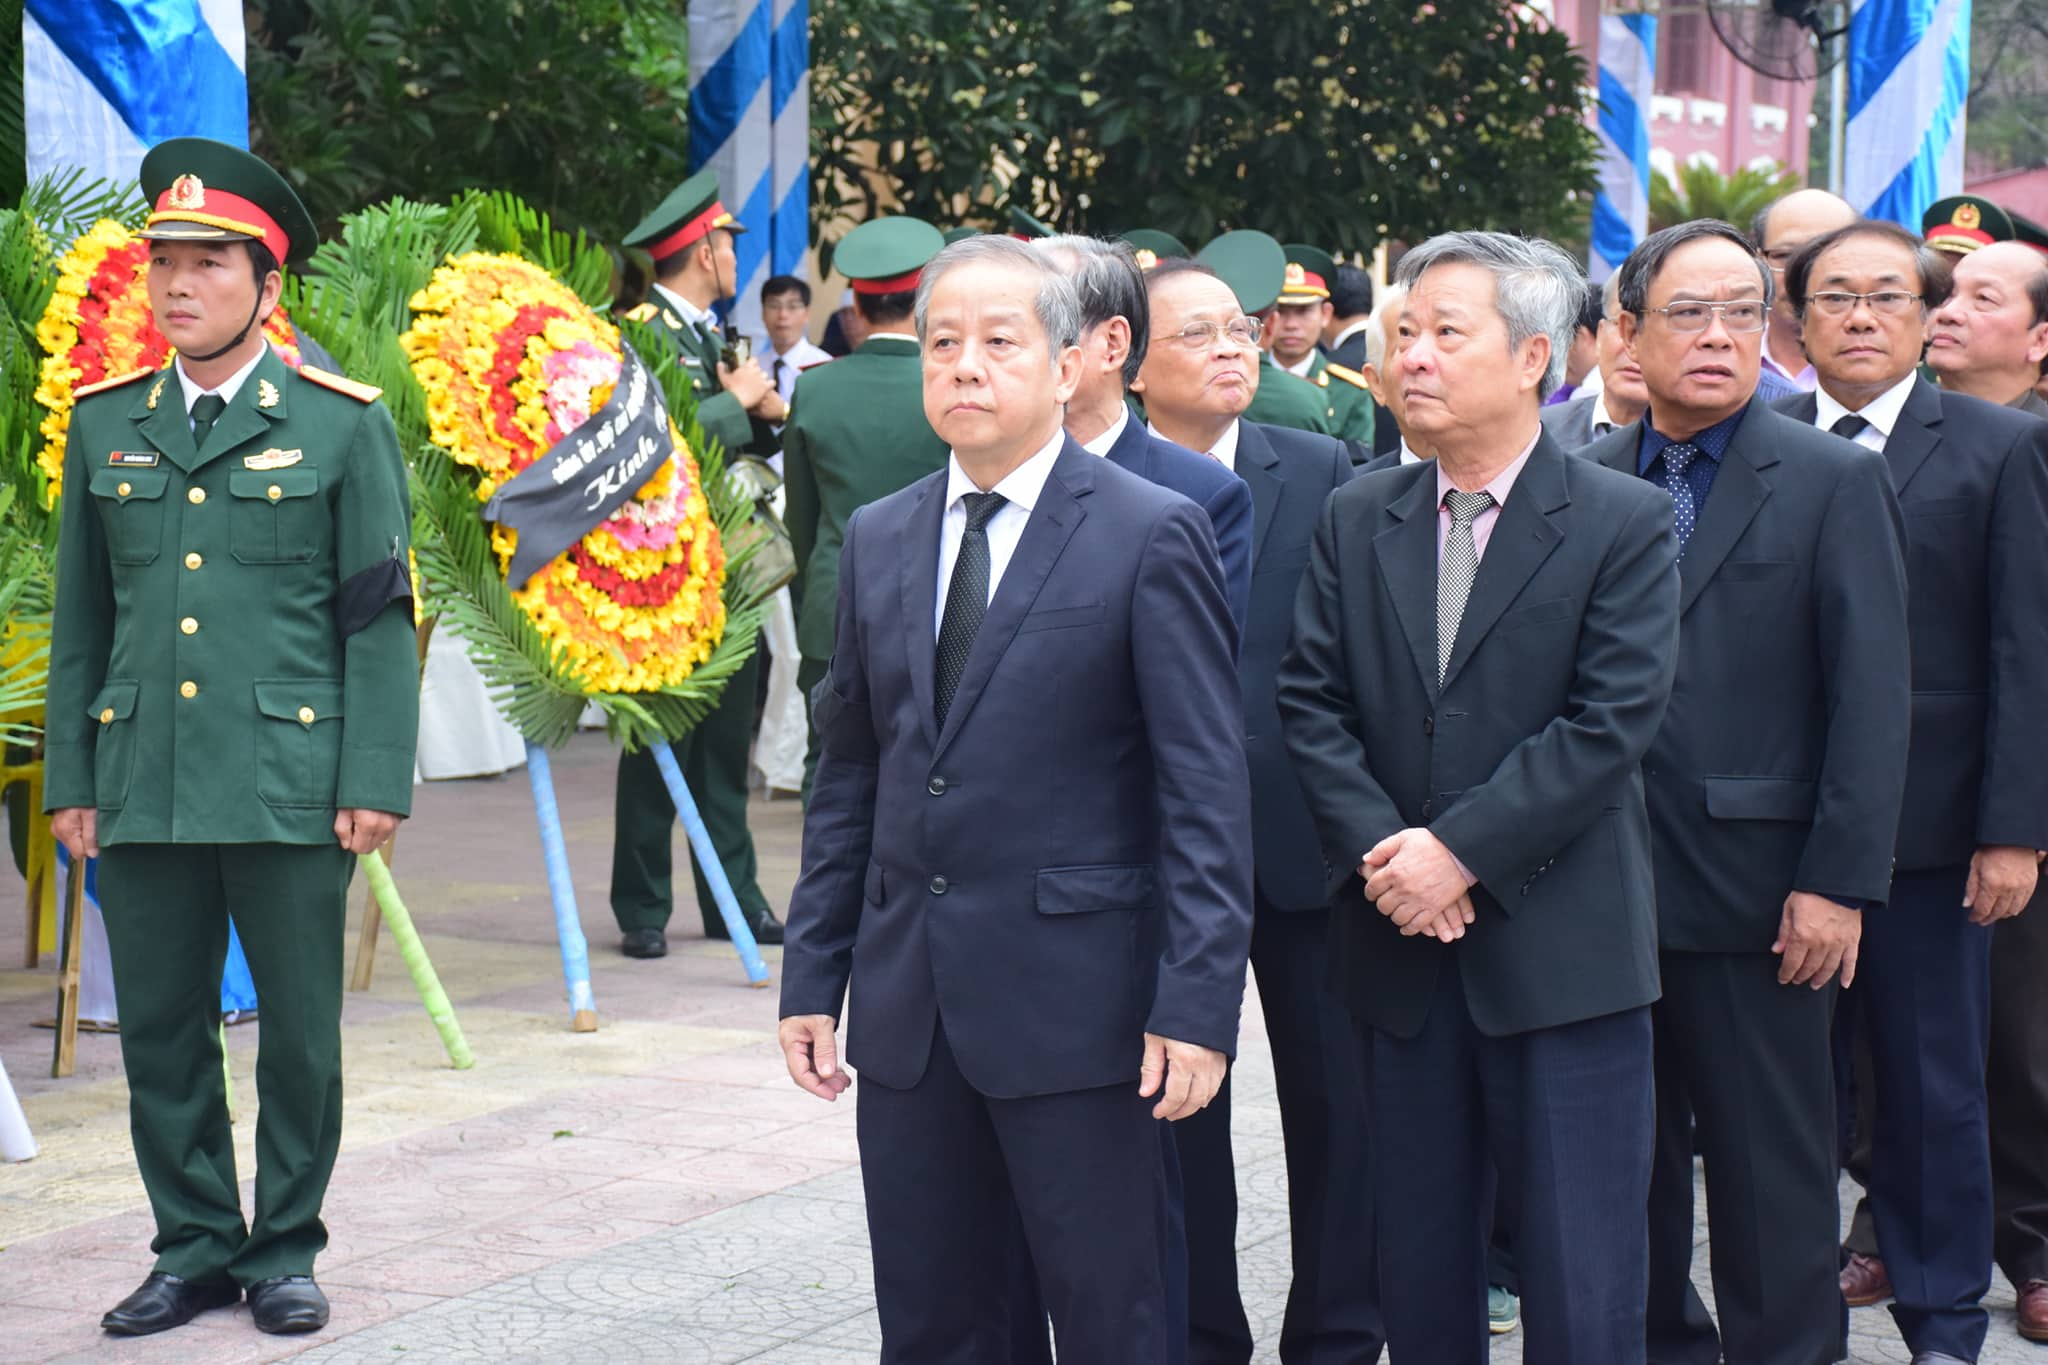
[(1255, 266), (690, 238), (1299, 320), (233, 705), (857, 430)]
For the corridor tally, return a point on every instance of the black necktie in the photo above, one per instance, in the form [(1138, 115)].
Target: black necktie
[(777, 375), (966, 600), (206, 410), (1678, 458), (1849, 425)]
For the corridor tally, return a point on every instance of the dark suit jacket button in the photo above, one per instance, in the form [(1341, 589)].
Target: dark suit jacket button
[(937, 786), (938, 885), (1425, 809), (1429, 725)]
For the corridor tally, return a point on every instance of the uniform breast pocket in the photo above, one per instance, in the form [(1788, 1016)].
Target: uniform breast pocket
[(277, 516), (131, 503), (298, 741)]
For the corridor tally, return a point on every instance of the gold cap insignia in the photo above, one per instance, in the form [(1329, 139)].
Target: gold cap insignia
[(1147, 258), (1968, 217), (155, 392), (266, 394), (1295, 274), (188, 192), (273, 458)]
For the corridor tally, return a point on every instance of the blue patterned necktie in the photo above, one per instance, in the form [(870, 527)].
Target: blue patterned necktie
[(966, 600), (1677, 459)]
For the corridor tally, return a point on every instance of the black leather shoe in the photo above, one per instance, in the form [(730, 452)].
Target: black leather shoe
[(767, 929), (289, 1303), (163, 1302), (644, 943)]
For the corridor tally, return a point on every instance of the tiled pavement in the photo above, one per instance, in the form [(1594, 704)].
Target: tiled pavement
[(656, 1191)]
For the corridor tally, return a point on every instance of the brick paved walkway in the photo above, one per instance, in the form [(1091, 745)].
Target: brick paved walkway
[(657, 1191)]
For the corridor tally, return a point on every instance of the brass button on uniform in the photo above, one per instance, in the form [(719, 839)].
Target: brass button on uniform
[(305, 715), (188, 690), (124, 489), (107, 716), (274, 492), (196, 496), (193, 561), (189, 626)]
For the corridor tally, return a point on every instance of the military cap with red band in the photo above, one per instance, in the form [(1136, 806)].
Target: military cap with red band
[(1309, 272), (691, 213), (887, 255), (200, 190)]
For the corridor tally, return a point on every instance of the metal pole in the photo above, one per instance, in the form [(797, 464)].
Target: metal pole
[(1838, 107)]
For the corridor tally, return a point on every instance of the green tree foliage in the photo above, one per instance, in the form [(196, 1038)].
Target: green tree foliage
[(1705, 193), (2008, 84), (1336, 121), (576, 106)]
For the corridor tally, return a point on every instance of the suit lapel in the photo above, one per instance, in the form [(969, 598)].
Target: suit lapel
[(921, 598), (1051, 525), (1407, 556), (1523, 537), (1259, 467), (1739, 490), (1915, 435), (159, 413), (1133, 449)]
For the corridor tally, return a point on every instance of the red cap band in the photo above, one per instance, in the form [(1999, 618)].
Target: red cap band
[(188, 202), (696, 229), (895, 284)]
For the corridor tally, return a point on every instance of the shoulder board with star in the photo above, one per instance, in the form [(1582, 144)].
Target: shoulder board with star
[(1322, 380), (1349, 376), (362, 393), (115, 382), (644, 312)]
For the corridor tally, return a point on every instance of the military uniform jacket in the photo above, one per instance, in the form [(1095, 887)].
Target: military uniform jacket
[(856, 432), (1287, 400), (697, 350), (233, 654), (1345, 397)]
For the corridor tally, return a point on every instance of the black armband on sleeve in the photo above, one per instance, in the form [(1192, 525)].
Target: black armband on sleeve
[(364, 595)]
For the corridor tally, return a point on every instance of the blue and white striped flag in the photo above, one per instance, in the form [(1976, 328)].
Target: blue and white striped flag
[(103, 81), (1628, 70), (1909, 73), (750, 119)]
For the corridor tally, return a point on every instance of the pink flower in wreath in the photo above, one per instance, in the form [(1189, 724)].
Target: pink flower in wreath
[(570, 376)]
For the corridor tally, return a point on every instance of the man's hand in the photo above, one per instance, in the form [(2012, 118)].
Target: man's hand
[(1185, 1076), (78, 829), (1410, 876), (745, 382), (1816, 939), (812, 1054), (364, 831), (1446, 925), (2001, 882)]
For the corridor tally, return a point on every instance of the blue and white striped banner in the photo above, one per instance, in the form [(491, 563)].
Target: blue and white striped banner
[(1628, 70), (1909, 73), (105, 80), (750, 119)]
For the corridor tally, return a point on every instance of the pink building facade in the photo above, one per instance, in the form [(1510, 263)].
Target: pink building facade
[(1709, 108)]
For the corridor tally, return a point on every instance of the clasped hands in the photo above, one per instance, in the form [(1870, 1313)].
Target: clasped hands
[(1185, 1076), (755, 390), (1412, 879)]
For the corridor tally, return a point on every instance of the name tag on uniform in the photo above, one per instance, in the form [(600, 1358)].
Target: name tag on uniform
[(273, 459), (134, 459)]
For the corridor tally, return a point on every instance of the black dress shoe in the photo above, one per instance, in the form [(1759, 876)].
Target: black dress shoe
[(165, 1301), (644, 943), (289, 1303), (767, 929)]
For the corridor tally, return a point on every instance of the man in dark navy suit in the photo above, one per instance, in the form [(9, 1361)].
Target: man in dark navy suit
[(1774, 790), (1196, 379), (1028, 848), (1972, 482), (1483, 648)]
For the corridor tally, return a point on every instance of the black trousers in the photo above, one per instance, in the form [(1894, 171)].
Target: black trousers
[(1320, 1077), (951, 1177), (1747, 1062), (1564, 1115), (2017, 1083)]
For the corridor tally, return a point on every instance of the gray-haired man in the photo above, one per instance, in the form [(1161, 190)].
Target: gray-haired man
[(1483, 649)]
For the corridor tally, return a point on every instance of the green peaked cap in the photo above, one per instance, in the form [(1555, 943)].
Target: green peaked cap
[(1251, 263), (200, 190), (686, 217), (1024, 225), (1164, 246), (1311, 271), (887, 248), (961, 234)]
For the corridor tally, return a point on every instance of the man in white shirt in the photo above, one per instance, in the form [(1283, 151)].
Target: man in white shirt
[(786, 312)]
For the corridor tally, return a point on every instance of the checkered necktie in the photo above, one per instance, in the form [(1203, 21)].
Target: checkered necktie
[(1455, 571), (206, 410), (966, 599), (1677, 459)]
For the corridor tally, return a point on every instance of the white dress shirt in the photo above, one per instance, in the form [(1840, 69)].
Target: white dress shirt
[(1020, 489), (1408, 456), (1102, 444), (227, 388), (1224, 452), (795, 361), (700, 317), (1882, 412), (1603, 421), (1301, 367)]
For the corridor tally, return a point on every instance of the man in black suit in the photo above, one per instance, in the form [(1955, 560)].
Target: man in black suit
[(1483, 648), (1350, 314), (1029, 841), (1990, 337), (1774, 790), (1195, 379), (1620, 398), (1972, 482)]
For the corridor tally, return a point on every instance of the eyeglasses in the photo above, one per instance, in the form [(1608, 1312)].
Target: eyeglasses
[(1885, 302), (1737, 315), (1199, 335), (1778, 258)]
